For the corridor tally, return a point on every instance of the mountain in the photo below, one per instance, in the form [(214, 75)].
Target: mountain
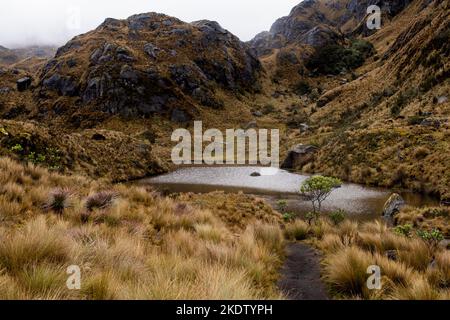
[(374, 103), (25, 57), (7, 56), (115, 94), (149, 64), (317, 23), (383, 120)]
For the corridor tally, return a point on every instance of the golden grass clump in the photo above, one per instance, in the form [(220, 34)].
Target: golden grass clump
[(410, 269), (138, 246)]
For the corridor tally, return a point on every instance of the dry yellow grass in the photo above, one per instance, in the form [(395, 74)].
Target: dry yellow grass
[(410, 269), (138, 246)]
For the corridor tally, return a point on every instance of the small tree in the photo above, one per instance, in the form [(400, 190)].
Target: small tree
[(317, 188), (432, 238)]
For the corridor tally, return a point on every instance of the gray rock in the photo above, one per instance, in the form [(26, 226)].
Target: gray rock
[(23, 83), (65, 86), (109, 48), (255, 174), (258, 114), (4, 90), (111, 23), (298, 156), (250, 125), (96, 55), (393, 205), (151, 50), (442, 99), (92, 90), (127, 73), (125, 58), (303, 127), (180, 116), (71, 63), (105, 59), (180, 32)]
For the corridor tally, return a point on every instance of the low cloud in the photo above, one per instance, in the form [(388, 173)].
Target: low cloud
[(54, 22)]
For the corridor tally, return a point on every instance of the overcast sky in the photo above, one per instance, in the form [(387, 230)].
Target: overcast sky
[(26, 22)]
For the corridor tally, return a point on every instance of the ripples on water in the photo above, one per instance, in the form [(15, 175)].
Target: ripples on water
[(274, 184)]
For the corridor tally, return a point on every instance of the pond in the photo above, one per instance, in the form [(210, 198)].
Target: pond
[(360, 202)]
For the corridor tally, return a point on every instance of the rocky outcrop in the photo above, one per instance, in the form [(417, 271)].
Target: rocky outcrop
[(317, 23), (393, 205), (149, 64), (298, 156)]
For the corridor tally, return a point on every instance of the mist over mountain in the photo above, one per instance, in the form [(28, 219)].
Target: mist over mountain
[(53, 22)]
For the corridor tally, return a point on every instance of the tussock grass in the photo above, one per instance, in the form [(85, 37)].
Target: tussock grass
[(297, 230), (410, 269), (138, 246)]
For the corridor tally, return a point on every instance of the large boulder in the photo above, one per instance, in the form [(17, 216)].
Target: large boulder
[(298, 156), (393, 205), (23, 83)]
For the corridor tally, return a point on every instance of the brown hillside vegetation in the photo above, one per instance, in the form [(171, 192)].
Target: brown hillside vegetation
[(129, 242), (99, 114), (387, 122)]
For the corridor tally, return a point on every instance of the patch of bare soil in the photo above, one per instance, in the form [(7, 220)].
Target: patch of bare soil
[(300, 278)]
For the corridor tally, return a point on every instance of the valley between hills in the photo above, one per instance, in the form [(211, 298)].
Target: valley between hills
[(80, 124)]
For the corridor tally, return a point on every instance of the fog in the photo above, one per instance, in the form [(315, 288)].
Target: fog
[(54, 22)]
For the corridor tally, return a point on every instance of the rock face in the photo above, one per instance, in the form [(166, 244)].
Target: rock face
[(299, 156), (393, 205), (320, 22), (149, 64)]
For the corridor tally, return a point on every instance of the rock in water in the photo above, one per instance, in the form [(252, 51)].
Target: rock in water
[(300, 155), (255, 174), (393, 206)]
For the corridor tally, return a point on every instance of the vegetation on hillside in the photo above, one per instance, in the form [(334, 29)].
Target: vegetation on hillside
[(335, 58)]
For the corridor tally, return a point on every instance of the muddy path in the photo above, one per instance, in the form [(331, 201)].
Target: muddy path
[(300, 274)]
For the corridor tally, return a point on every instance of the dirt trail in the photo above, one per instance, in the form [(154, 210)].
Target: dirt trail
[(300, 275)]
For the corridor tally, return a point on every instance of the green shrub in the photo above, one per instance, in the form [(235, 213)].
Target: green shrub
[(282, 205), (338, 216), (17, 148), (288, 216), (317, 188), (404, 230), (333, 59), (432, 238)]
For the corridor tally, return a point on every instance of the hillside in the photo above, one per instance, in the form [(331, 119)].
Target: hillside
[(96, 116), (131, 80), (392, 108), (142, 77), (149, 64)]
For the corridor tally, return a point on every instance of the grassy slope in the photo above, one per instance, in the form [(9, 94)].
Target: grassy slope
[(418, 271), (140, 246), (361, 139)]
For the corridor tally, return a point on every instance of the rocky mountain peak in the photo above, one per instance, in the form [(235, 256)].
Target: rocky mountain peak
[(150, 64)]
